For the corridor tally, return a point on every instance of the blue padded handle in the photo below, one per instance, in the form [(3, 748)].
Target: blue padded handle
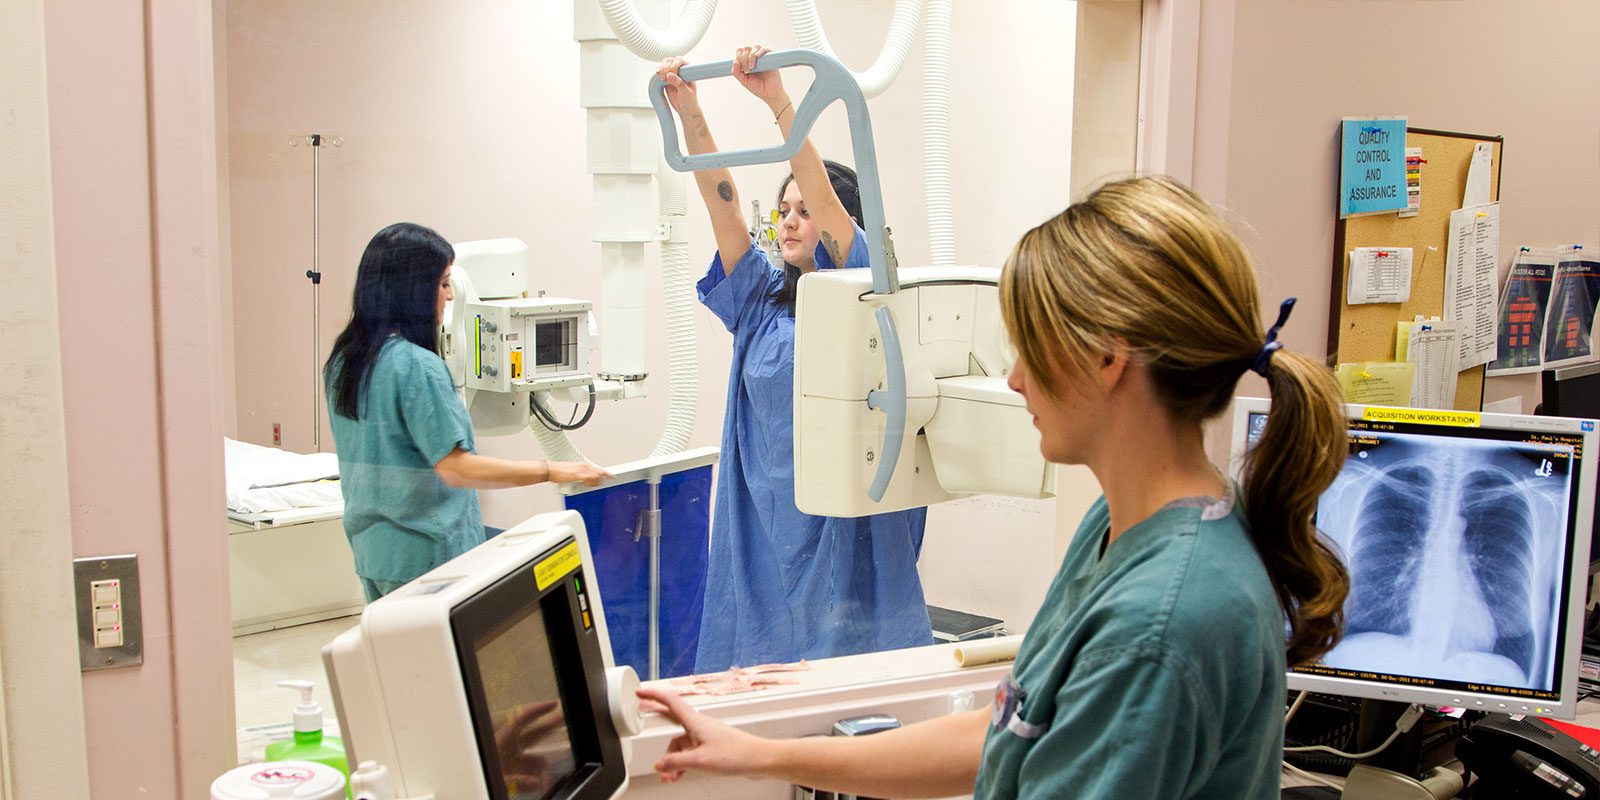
[(832, 82), (892, 402)]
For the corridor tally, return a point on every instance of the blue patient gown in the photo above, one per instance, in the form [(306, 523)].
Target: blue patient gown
[(782, 585)]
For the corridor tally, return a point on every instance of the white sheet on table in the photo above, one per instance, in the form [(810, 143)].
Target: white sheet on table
[(282, 498), (269, 479)]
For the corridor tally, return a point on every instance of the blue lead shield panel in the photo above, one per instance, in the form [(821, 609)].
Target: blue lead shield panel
[(614, 518)]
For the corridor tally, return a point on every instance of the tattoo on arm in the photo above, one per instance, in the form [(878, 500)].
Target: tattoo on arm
[(831, 245), (725, 191)]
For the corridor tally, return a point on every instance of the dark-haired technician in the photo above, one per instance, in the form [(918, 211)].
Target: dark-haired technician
[(783, 585), (406, 463)]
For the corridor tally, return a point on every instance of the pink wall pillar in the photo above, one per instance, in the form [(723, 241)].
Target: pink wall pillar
[(40, 689), (133, 128)]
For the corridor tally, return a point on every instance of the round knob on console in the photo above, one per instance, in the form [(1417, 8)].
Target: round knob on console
[(622, 687)]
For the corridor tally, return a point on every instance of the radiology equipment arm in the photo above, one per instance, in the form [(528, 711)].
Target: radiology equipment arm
[(464, 470), (935, 758), (716, 185), (837, 230)]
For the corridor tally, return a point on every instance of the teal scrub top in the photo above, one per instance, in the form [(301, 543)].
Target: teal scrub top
[(1153, 671), (402, 520)]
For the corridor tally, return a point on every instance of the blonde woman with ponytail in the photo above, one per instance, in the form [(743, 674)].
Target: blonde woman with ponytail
[(1156, 667)]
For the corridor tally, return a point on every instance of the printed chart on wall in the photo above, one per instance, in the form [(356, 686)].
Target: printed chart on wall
[(1570, 318), (1523, 304), (1547, 310), (1469, 280)]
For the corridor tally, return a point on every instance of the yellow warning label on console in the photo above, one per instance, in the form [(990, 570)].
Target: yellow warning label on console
[(1423, 416), (557, 565), (516, 364)]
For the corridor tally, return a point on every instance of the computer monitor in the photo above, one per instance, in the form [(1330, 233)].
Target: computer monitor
[(1573, 392), (488, 676), (1460, 533)]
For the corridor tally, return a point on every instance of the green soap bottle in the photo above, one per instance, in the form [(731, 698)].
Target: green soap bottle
[(308, 743)]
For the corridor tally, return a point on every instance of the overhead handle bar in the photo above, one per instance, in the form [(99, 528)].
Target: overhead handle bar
[(833, 82)]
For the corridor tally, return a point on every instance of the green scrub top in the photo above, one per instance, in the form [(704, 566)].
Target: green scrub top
[(401, 519), (1155, 670)]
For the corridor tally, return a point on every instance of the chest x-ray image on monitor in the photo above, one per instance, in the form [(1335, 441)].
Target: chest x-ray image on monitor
[(1465, 572), (1455, 550)]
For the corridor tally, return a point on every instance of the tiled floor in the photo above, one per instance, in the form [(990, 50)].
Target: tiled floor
[(260, 660)]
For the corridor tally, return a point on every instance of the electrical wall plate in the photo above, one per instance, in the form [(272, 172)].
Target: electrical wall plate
[(110, 622)]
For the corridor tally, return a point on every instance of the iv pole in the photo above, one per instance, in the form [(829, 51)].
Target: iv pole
[(317, 142)]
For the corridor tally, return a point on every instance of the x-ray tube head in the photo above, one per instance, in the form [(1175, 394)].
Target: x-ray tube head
[(963, 431), (501, 345)]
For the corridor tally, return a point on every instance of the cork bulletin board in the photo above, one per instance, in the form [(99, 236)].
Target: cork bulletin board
[(1366, 332)]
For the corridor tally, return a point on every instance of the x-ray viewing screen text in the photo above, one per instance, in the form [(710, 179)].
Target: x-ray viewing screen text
[(1456, 540)]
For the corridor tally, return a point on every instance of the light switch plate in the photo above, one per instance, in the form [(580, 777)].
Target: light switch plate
[(125, 570)]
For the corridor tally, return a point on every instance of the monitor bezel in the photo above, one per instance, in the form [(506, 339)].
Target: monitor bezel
[(599, 768), (1565, 706), (1555, 392)]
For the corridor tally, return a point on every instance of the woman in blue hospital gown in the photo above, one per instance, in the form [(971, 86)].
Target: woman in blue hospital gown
[(784, 585)]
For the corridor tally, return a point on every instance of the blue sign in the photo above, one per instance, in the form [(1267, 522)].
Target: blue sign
[(1372, 166)]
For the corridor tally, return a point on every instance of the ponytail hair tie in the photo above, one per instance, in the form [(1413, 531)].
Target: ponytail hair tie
[(1272, 345)]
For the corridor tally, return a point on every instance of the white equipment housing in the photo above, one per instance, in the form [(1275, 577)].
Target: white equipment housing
[(490, 329), (427, 680), (497, 268), (965, 432), (528, 344)]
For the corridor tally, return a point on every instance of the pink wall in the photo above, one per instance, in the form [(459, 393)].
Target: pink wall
[(137, 284), (41, 691), (1276, 77), (102, 209), (190, 351)]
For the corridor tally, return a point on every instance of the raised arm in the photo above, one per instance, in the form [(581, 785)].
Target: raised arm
[(935, 758), (836, 230), (716, 185)]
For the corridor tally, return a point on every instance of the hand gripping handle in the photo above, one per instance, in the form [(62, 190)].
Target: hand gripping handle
[(832, 82)]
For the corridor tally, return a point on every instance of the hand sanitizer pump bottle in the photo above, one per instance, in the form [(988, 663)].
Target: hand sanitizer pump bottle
[(308, 743)]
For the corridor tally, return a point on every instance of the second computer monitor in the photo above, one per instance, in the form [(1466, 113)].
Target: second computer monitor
[(1573, 392), (1457, 530)]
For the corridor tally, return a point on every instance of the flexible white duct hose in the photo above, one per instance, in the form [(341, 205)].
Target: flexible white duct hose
[(683, 381), (936, 134), (557, 447), (650, 44), (683, 387), (808, 31)]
